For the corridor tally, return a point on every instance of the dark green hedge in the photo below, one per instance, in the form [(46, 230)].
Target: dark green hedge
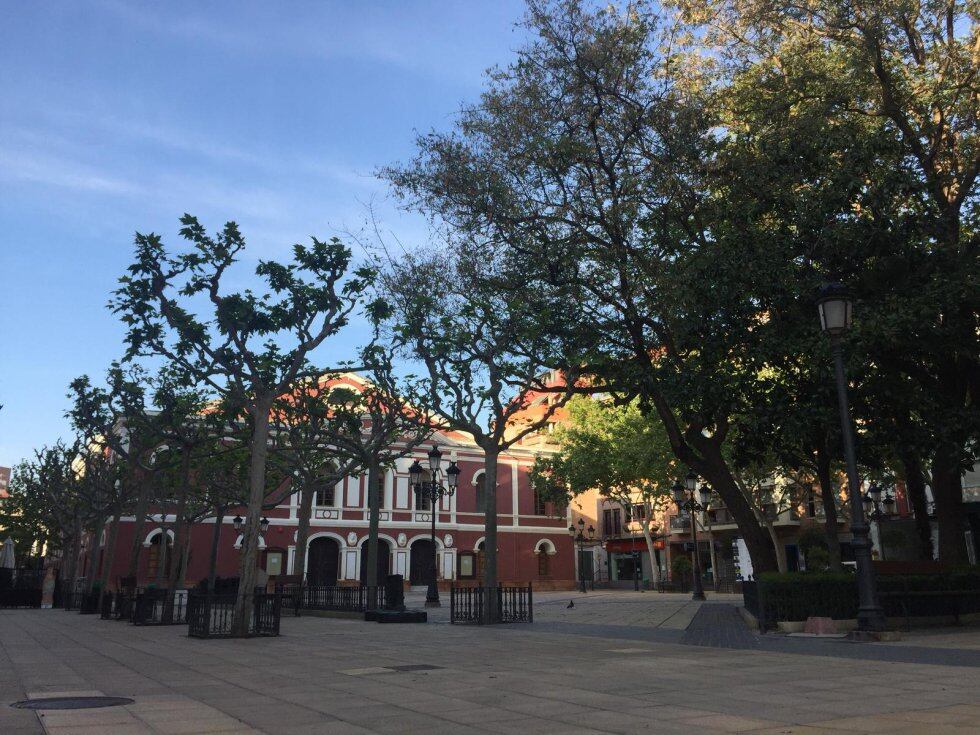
[(799, 595)]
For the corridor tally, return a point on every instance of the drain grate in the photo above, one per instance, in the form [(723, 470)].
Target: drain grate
[(71, 702), (413, 667)]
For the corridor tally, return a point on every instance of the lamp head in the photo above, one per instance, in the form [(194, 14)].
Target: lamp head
[(889, 503), (264, 524), (415, 473), (591, 531), (452, 476), (238, 522), (691, 481), (678, 490), (435, 460), (834, 305)]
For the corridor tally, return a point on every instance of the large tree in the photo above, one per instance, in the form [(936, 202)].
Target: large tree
[(249, 347), (487, 345), (910, 70), (587, 163)]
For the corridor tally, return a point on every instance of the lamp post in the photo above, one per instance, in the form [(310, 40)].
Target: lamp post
[(580, 541), (685, 500), (834, 305), (433, 490), (878, 509)]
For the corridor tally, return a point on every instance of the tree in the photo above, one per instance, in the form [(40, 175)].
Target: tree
[(911, 70), (586, 163), (188, 425), (617, 450), (115, 416), (237, 347), (487, 345)]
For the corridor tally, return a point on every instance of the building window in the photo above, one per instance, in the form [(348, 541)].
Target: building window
[(540, 506), (324, 496), (481, 496), (639, 512), (612, 522), (544, 564), (422, 501)]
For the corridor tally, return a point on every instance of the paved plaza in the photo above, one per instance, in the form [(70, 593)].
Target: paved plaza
[(617, 662)]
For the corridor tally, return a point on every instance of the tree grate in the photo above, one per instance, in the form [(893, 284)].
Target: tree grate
[(71, 702)]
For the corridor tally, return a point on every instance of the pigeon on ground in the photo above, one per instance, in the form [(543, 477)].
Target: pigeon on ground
[(571, 603)]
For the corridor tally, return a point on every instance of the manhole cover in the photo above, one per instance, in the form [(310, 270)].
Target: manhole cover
[(414, 667), (71, 702)]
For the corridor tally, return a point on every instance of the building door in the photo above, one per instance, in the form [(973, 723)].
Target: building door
[(423, 559), (384, 559), (323, 561)]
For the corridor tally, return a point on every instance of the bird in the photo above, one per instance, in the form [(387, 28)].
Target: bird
[(571, 604)]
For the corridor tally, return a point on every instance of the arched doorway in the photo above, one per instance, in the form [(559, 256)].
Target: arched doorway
[(384, 561), (158, 558), (423, 560), (323, 561)]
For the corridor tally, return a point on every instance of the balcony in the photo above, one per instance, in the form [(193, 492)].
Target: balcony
[(680, 524)]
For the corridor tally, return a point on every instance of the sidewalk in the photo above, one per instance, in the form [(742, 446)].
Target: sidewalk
[(344, 676)]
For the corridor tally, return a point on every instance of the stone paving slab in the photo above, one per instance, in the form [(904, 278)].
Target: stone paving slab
[(545, 678)]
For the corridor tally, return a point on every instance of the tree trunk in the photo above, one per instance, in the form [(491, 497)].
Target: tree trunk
[(181, 532), (306, 497), (93, 554), (219, 518), (375, 479), (74, 552), (780, 548), (828, 499), (163, 557), (711, 466), (947, 490), (250, 544), (139, 520), (915, 487), (652, 552), (491, 454), (109, 555)]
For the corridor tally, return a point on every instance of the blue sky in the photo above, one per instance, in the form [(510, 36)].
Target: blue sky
[(120, 116)]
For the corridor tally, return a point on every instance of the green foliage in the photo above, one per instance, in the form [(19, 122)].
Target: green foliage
[(817, 559), (811, 538), (615, 449), (680, 566)]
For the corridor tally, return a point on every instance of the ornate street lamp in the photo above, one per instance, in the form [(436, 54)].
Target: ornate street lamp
[(580, 540), (834, 305), (685, 500), (878, 509), (433, 490)]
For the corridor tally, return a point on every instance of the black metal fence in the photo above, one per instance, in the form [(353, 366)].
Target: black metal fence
[(89, 603), (467, 605), (212, 616), (20, 598), (343, 599), (21, 587), (153, 607)]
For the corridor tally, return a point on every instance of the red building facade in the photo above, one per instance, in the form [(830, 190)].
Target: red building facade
[(533, 542)]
